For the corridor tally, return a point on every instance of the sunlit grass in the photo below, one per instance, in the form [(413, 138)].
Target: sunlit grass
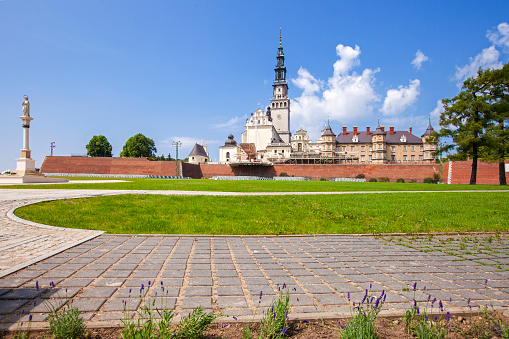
[(320, 214), (257, 186)]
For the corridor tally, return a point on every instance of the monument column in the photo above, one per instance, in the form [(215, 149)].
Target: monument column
[(25, 165)]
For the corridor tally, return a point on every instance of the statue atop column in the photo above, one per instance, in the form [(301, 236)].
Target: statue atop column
[(26, 107)]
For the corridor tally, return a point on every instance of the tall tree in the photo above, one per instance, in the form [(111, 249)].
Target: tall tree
[(99, 146), (465, 118), (497, 131), (139, 146)]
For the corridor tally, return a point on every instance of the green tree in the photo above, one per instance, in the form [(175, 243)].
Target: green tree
[(99, 146), (498, 130), (139, 146), (466, 117)]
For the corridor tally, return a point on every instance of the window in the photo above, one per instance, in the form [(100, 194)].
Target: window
[(393, 149), (275, 151), (370, 148), (370, 158), (404, 158), (324, 147), (352, 149), (337, 149), (404, 148), (344, 148), (413, 148), (362, 157), (420, 157), (422, 148), (380, 146), (413, 157), (362, 148), (427, 155), (393, 157), (227, 155), (328, 147), (427, 146)]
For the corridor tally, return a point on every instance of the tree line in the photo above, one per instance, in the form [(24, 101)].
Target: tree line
[(137, 146), (477, 121)]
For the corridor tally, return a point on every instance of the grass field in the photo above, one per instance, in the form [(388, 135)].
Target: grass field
[(317, 214), (258, 186)]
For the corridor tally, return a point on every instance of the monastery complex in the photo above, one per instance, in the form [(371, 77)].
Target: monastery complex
[(267, 138)]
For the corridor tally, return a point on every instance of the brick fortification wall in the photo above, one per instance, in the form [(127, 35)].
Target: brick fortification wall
[(92, 165), (316, 172), (458, 172)]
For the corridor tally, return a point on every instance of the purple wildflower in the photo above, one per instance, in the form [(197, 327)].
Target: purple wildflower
[(348, 296), (37, 285), (436, 317), (424, 289), (305, 321), (485, 281), (161, 283), (149, 282), (440, 305), (234, 317), (284, 330), (30, 317), (261, 292), (417, 309), (142, 286), (447, 316), (224, 325), (415, 285), (284, 285)]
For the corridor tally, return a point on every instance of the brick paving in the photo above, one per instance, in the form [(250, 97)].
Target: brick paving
[(104, 275)]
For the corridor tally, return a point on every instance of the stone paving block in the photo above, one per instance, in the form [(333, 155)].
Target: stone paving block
[(224, 267), (318, 289), (109, 282), (10, 306), (236, 312), (345, 288), (194, 302), (58, 274), (98, 292), (173, 274), (200, 274), (236, 302), (42, 266), (200, 267), (251, 273), (89, 274), (229, 273), (331, 300), (198, 291), (200, 281), (360, 278), (62, 293), (311, 280), (47, 305), (229, 290), (124, 267), (32, 274), (228, 281), (120, 305), (150, 267), (256, 281), (117, 274), (21, 293), (76, 282), (264, 290), (147, 275), (174, 282), (88, 305)]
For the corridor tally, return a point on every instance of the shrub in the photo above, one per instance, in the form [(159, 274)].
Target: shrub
[(412, 181), (323, 179), (373, 180), (400, 180), (283, 174), (429, 180), (436, 177), (360, 176), (67, 323), (384, 179)]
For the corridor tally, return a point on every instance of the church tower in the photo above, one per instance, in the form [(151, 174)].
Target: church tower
[(280, 103)]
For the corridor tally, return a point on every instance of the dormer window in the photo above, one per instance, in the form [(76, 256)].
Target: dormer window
[(403, 138), (355, 138)]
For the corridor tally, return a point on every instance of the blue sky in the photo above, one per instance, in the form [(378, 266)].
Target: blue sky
[(195, 70)]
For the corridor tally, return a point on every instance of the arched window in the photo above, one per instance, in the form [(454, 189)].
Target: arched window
[(299, 147), (227, 155)]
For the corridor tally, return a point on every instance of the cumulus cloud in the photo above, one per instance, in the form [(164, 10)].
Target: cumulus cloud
[(419, 59), (500, 37), (229, 124), (346, 96), (435, 113), (488, 58), (397, 100)]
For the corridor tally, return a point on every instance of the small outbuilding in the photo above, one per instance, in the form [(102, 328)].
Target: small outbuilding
[(198, 154)]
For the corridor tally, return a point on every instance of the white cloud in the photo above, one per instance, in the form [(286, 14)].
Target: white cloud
[(501, 36), (346, 97), (488, 58), (230, 123), (435, 113), (419, 59), (397, 100)]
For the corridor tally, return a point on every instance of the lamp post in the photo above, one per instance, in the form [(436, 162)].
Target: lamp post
[(177, 144)]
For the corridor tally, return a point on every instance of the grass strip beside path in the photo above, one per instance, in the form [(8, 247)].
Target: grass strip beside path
[(257, 186), (259, 215)]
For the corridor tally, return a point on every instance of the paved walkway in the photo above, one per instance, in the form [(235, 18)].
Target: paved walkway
[(230, 274)]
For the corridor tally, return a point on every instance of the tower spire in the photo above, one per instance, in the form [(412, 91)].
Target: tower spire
[(279, 36)]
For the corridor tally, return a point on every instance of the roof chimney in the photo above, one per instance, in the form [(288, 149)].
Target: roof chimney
[(355, 130), (383, 128), (344, 130), (391, 130), (410, 130), (367, 130)]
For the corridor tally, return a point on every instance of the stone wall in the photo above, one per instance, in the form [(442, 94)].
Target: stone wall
[(458, 172)]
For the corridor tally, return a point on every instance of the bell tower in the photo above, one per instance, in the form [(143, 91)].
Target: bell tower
[(280, 103)]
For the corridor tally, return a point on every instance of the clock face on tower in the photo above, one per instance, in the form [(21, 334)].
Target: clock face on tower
[(279, 116)]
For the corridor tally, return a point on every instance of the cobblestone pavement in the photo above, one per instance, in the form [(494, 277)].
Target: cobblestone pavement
[(229, 274)]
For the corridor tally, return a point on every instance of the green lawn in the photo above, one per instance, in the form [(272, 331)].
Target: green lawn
[(350, 213), (259, 186)]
